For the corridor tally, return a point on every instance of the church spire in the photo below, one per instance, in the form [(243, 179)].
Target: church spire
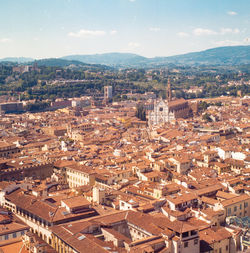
[(169, 94)]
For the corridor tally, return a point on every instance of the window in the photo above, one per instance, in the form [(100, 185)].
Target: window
[(14, 235), (229, 211), (246, 204), (185, 234), (220, 250), (235, 208), (161, 109), (6, 237), (185, 244), (193, 232), (196, 241), (240, 206), (227, 248)]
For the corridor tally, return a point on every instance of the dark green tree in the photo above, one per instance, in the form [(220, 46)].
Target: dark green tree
[(140, 112)]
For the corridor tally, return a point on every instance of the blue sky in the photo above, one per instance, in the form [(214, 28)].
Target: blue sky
[(54, 28)]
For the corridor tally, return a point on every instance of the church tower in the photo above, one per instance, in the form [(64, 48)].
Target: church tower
[(169, 94)]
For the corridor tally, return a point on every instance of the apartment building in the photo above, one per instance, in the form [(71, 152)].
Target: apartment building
[(78, 175)]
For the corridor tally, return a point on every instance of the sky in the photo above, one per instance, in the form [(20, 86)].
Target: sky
[(56, 28)]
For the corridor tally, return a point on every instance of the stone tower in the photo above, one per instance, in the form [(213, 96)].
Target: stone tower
[(169, 93)]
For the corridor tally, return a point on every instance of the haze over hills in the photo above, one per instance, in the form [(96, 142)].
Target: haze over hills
[(231, 55), (58, 62), (114, 59), (17, 59)]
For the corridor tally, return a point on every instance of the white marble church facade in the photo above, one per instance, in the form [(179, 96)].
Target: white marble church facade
[(160, 114)]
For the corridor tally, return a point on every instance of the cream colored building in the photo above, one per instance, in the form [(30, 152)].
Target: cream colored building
[(238, 206), (79, 175)]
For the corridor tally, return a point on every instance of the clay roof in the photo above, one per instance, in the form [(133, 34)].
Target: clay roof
[(12, 245), (209, 200), (178, 199), (234, 200), (209, 189), (210, 236), (76, 202), (177, 102), (43, 209), (12, 227)]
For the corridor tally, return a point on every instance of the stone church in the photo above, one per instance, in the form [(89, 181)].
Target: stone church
[(169, 110)]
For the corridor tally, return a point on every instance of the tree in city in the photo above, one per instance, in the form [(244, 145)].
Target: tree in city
[(140, 112)]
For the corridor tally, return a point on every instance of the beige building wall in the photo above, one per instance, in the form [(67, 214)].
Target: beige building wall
[(77, 178), (222, 246), (240, 209)]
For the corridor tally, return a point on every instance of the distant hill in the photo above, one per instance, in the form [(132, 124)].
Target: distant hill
[(232, 55), (16, 59), (55, 62), (111, 59), (226, 56)]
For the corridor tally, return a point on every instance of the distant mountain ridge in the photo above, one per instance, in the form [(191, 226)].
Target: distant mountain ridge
[(17, 59), (55, 62), (230, 55), (58, 62), (113, 59)]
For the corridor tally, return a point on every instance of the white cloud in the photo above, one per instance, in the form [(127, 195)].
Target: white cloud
[(232, 13), (221, 43), (5, 40), (87, 33), (154, 29), (229, 30), (222, 31), (182, 34), (202, 31), (113, 32), (133, 45), (227, 43)]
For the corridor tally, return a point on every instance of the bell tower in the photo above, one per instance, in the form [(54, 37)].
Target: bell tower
[(169, 94)]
